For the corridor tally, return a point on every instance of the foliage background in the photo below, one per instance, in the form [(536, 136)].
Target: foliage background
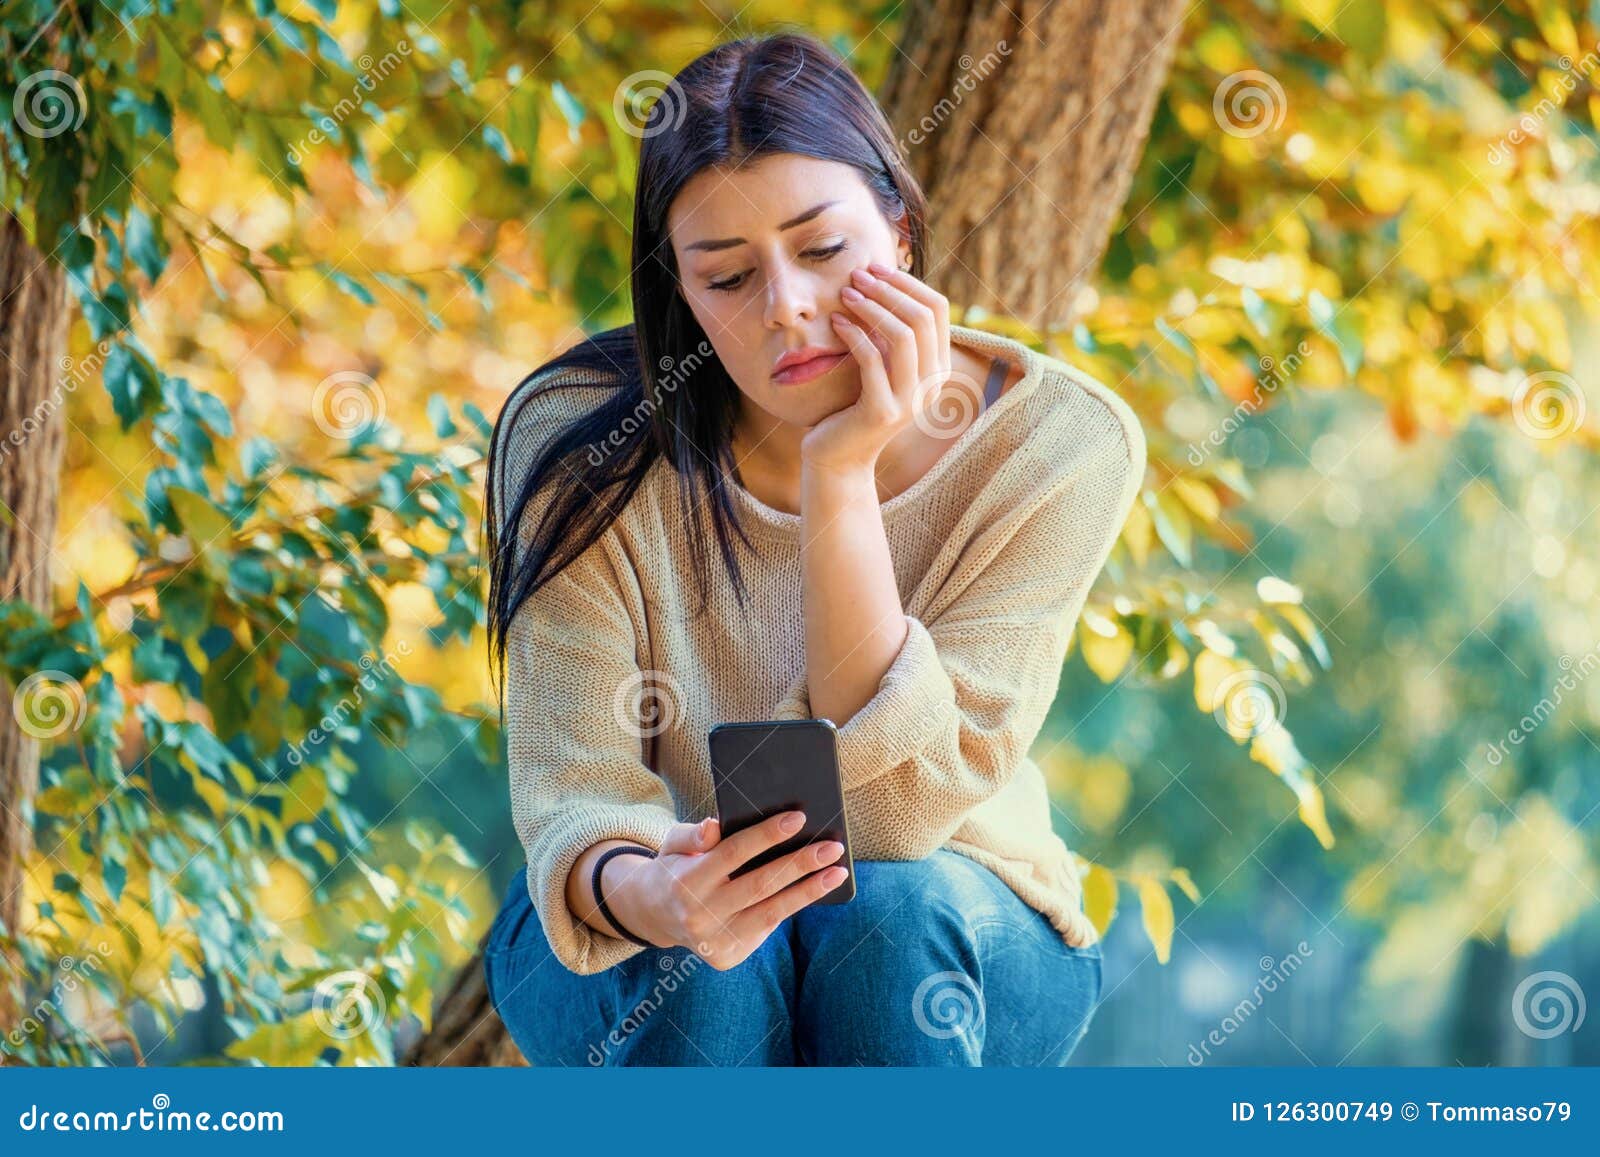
[(315, 246)]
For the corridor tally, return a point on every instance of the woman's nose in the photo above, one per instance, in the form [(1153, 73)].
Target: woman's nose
[(791, 298)]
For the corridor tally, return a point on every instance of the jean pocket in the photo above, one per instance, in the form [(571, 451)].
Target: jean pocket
[(1052, 942)]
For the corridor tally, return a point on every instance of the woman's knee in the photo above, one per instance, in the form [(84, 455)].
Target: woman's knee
[(675, 1009), (900, 904)]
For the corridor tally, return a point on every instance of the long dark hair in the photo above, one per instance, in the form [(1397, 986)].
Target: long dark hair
[(779, 93)]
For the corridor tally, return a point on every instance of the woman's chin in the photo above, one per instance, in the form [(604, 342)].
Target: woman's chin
[(810, 402)]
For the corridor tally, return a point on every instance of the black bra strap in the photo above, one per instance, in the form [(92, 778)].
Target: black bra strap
[(997, 377)]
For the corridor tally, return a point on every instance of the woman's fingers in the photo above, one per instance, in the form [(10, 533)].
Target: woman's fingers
[(759, 920), (755, 886), (732, 852), (876, 392), (914, 303), (901, 339), (938, 304), (690, 839)]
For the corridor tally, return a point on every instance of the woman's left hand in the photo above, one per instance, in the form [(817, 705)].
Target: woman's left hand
[(899, 335)]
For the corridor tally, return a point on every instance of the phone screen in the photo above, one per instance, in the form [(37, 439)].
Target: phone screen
[(762, 768)]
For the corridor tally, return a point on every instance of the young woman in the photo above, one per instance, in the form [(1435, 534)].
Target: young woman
[(906, 517)]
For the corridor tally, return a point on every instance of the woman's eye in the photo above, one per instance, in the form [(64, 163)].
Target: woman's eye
[(828, 253), (730, 284)]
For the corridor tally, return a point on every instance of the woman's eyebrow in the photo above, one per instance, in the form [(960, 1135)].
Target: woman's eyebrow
[(730, 242)]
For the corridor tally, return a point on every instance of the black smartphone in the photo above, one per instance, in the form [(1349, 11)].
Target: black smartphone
[(762, 768)]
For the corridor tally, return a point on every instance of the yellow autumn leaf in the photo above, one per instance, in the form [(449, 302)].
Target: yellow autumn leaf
[(1156, 907), (304, 796), (1106, 644), (1100, 897), (1198, 497), (1138, 532), (1210, 669)]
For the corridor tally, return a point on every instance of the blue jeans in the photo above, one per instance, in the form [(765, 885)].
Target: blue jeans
[(935, 962)]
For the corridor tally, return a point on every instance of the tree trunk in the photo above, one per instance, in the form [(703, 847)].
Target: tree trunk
[(465, 1029), (33, 340), (1024, 122)]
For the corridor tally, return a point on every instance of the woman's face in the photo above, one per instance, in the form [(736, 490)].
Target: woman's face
[(762, 254)]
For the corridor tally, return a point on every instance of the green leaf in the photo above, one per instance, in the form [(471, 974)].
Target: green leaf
[(348, 284), (570, 109), (214, 111), (439, 414), (144, 244), (1255, 308)]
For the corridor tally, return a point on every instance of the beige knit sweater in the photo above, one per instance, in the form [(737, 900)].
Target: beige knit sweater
[(612, 686)]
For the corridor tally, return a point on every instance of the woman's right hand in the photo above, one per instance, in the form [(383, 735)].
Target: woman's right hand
[(684, 896)]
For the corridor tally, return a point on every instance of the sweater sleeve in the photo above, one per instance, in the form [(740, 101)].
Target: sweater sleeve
[(963, 700), (576, 759)]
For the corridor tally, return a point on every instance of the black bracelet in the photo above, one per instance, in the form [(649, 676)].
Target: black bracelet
[(600, 897)]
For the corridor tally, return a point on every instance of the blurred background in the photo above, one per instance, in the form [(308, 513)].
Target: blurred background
[(1328, 740)]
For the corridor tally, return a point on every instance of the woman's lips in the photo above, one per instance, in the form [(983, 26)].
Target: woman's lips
[(805, 371)]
